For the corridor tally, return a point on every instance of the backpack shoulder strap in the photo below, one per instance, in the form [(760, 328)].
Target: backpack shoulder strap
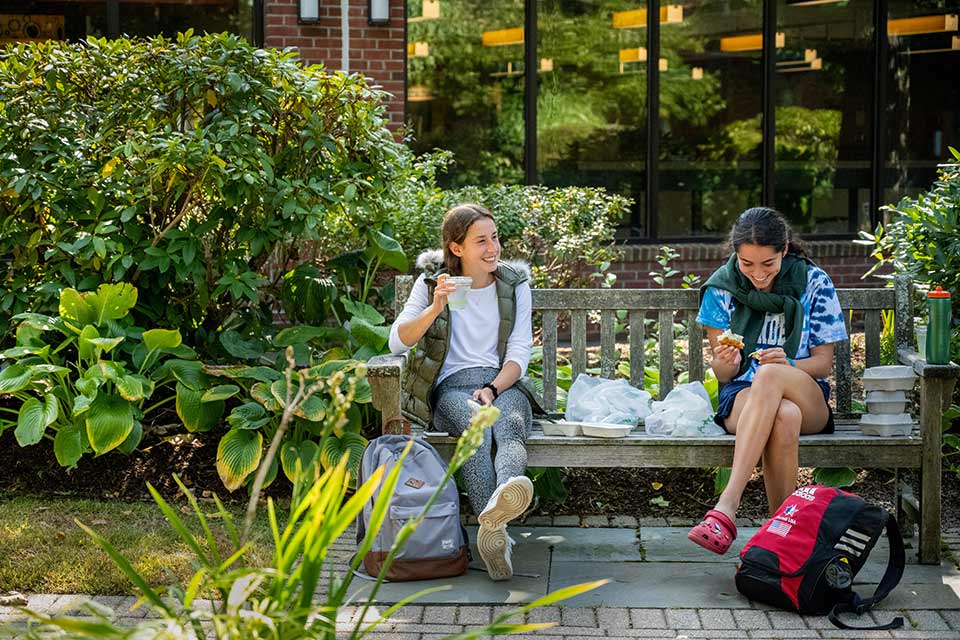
[(891, 577)]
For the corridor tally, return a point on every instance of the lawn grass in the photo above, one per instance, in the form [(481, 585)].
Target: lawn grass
[(43, 551)]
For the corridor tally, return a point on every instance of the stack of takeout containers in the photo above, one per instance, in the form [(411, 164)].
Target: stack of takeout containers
[(886, 389)]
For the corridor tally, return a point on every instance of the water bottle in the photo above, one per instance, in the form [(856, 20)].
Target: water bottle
[(938, 328)]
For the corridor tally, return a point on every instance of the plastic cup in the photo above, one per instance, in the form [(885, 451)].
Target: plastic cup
[(921, 331), (458, 299)]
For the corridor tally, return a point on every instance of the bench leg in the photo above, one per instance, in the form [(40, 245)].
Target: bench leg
[(385, 391), (933, 393)]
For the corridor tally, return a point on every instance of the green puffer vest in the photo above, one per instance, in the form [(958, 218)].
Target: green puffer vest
[(426, 361)]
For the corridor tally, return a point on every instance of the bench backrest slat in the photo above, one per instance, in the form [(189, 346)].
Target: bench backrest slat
[(872, 326), (666, 351), (556, 305), (637, 343), (549, 338), (608, 344), (578, 341)]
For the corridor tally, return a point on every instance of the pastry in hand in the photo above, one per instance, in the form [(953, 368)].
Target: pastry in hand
[(731, 338)]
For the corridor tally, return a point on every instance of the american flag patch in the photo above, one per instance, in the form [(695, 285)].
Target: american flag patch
[(779, 528)]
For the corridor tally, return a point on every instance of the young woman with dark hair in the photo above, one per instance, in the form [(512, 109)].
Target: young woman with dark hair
[(480, 353), (773, 385)]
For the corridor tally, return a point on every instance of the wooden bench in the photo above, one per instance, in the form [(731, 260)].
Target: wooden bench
[(847, 447)]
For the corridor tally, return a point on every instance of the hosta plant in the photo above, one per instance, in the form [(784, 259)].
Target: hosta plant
[(86, 378), (322, 428)]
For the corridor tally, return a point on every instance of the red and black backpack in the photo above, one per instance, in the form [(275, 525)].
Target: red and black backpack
[(806, 556)]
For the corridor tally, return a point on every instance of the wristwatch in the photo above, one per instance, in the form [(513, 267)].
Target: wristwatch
[(489, 385)]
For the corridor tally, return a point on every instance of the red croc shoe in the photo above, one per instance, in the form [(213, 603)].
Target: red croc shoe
[(716, 533)]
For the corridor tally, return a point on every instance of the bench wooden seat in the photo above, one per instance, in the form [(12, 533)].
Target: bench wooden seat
[(847, 447)]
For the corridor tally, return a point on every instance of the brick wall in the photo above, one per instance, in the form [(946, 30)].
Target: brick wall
[(377, 52), (843, 261)]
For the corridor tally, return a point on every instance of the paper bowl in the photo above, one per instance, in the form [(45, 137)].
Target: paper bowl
[(900, 424), (886, 402), (568, 429), (607, 430), (890, 378)]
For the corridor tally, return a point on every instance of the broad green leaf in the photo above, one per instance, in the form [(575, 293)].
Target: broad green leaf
[(74, 308), (237, 347), (238, 455), (842, 477), (105, 345), (364, 333), (387, 249), (305, 333), (329, 367), (112, 301), (362, 392), (109, 422), (362, 310), (69, 445), (130, 445), (162, 339), (306, 453), (271, 473), (261, 374), (37, 370), (88, 352), (19, 352), (82, 403), (221, 392), (313, 408), (332, 449), (195, 414), (279, 390), (131, 388), (14, 378), (34, 418), (187, 372), (250, 415), (262, 393)]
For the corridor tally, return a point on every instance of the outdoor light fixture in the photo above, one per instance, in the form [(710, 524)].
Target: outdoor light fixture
[(379, 14), (546, 64), (639, 54), (430, 11), (696, 73), (418, 49), (749, 42), (922, 24), (502, 37), (308, 11), (637, 18)]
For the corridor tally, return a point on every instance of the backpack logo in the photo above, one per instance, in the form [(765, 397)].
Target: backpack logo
[(780, 528), (414, 483), (806, 493), (790, 510)]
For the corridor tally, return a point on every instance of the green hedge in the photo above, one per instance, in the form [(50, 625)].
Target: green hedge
[(193, 168)]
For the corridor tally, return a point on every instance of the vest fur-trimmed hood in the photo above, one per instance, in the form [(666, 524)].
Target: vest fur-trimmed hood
[(431, 263)]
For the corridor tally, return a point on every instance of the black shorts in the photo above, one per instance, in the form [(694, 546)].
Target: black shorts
[(728, 394)]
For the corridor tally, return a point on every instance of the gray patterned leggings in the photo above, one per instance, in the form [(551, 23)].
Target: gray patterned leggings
[(484, 471)]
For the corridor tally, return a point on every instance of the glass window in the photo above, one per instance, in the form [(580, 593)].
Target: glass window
[(923, 112), (710, 106), (591, 103), (167, 18), (824, 98), (27, 20), (465, 86)]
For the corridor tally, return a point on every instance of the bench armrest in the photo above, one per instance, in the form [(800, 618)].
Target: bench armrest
[(385, 374), (913, 359)]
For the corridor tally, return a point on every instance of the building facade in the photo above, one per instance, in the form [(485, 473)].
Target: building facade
[(825, 109)]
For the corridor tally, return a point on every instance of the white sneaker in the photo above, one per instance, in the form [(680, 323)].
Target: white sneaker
[(496, 549), (510, 500)]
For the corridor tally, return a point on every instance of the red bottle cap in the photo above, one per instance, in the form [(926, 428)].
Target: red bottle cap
[(938, 293)]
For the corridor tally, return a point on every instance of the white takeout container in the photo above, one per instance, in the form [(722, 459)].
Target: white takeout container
[(886, 402), (889, 378), (598, 430), (568, 429), (900, 424)]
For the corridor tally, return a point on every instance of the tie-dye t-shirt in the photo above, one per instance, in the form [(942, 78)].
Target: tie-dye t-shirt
[(822, 317)]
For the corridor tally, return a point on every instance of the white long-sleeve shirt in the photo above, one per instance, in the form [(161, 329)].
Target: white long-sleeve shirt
[(473, 330)]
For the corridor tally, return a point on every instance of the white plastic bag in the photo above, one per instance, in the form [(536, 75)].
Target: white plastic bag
[(592, 399), (685, 412)]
